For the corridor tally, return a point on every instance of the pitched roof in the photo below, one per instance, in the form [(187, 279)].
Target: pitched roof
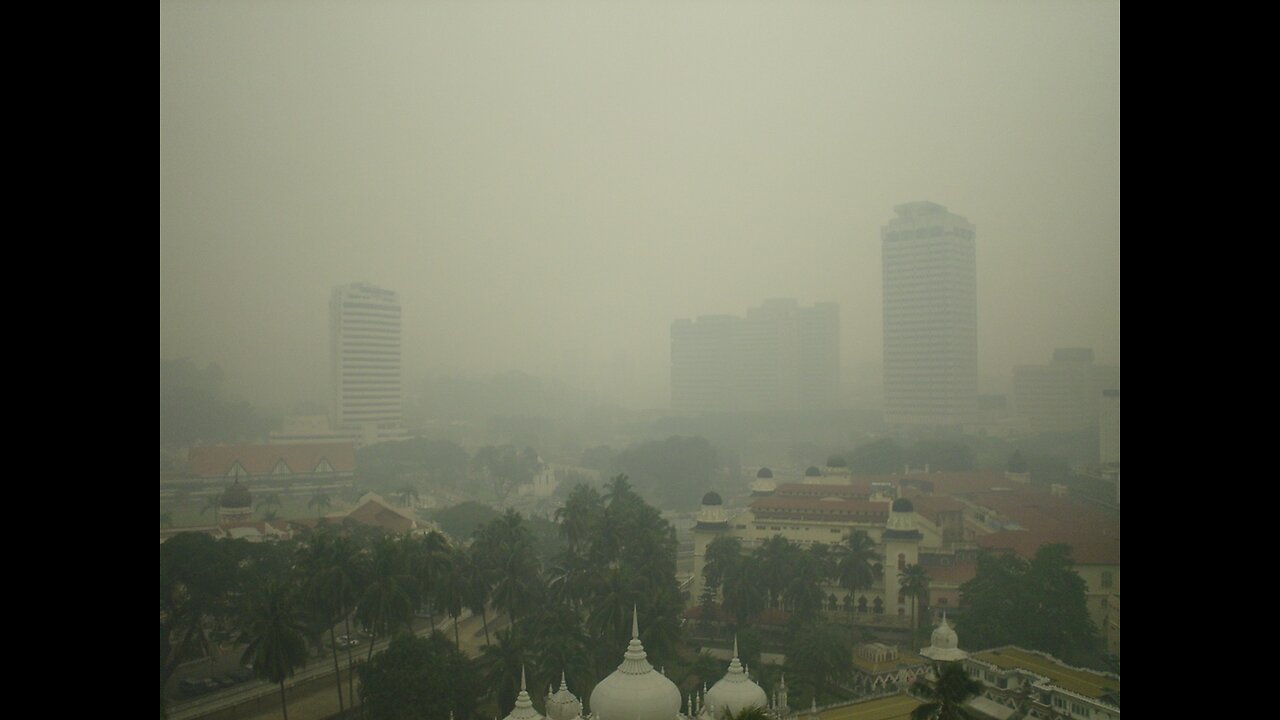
[(853, 490), (1092, 532), (1084, 550), (951, 574), (301, 458)]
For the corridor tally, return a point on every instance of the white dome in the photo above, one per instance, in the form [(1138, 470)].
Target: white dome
[(735, 692), (562, 704), (524, 705), (944, 644), (635, 691)]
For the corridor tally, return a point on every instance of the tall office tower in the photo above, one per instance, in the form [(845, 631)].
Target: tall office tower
[(701, 358), (930, 316), (365, 345), (1066, 394), (778, 357), (818, 333)]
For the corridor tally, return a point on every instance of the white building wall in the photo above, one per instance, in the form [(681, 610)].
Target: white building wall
[(930, 316), (365, 352)]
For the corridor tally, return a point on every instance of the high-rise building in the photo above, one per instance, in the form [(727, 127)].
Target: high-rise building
[(930, 316), (1066, 394), (365, 346), (778, 357)]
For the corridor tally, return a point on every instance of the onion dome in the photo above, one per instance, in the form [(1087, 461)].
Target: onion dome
[(765, 472), (524, 705), (945, 644), (236, 496), (902, 524), (736, 691), (713, 515), (813, 471), (635, 691), (562, 704)]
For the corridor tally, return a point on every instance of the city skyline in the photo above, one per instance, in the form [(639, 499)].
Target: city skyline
[(778, 356), (548, 187)]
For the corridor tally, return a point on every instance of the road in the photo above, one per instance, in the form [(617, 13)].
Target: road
[(310, 696)]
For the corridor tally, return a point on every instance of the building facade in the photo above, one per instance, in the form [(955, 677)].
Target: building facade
[(930, 317), (1066, 394), (779, 356), (365, 352)]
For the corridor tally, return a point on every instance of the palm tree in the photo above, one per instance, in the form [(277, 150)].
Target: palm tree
[(914, 583), (582, 512), (744, 594), (501, 663), (269, 501), (777, 558), (320, 500), (804, 591), (749, 713), (947, 694), (451, 588), (327, 565), (277, 643), (855, 567), (476, 584), (724, 555), (429, 559), (408, 496), (388, 602)]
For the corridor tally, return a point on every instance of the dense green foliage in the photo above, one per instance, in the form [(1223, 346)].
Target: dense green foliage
[(887, 456), (419, 679), (674, 472), (569, 611), (1039, 605), (947, 694)]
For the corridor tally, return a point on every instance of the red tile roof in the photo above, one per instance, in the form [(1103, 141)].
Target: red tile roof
[(301, 458), (943, 483), (812, 508), (1084, 550), (858, 489), (930, 505), (951, 574)]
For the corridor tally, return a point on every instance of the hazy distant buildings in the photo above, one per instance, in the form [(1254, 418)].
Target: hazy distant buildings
[(1109, 431), (930, 316), (778, 357), (1066, 394)]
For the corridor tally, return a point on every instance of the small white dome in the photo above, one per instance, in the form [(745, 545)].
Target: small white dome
[(944, 644), (735, 692), (562, 704), (635, 691)]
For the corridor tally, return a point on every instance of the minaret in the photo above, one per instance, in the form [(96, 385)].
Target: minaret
[(524, 704)]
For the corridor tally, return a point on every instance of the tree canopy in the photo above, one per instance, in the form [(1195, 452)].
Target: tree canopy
[(1039, 605), (418, 679)]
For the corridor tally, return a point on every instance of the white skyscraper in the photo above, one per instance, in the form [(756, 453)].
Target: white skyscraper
[(365, 347), (930, 316)]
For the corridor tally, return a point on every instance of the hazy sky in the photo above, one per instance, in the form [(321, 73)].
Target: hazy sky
[(548, 185)]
